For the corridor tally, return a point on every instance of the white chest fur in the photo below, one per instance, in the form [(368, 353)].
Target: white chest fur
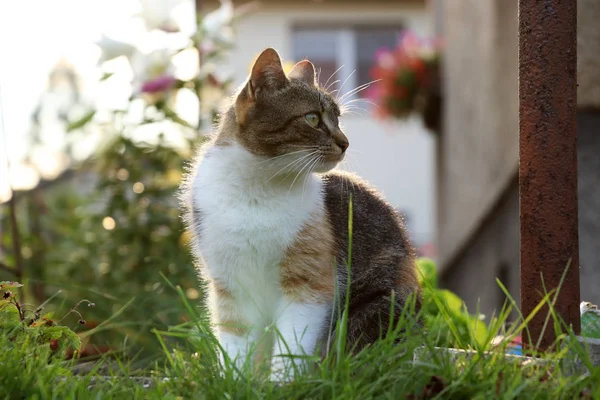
[(247, 225)]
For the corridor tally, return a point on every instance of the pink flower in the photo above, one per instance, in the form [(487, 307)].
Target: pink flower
[(160, 84), (403, 73), (410, 42), (385, 59)]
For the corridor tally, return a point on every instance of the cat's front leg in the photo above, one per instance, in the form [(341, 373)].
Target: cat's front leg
[(234, 333), (299, 326)]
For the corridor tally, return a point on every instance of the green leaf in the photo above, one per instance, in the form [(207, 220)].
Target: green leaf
[(427, 272), (5, 285), (9, 315), (479, 331), (81, 122), (53, 332), (49, 315), (106, 75), (64, 337), (453, 302)]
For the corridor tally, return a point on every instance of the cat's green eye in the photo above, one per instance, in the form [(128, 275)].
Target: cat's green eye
[(313, 119)]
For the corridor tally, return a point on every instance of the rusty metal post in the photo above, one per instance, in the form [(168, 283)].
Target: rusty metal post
[(548, 161)]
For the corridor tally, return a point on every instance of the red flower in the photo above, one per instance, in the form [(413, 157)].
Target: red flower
[(402, 74)]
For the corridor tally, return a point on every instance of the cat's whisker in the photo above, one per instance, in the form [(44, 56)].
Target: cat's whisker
[(356, 90), (270, 159), (358, 111), (356, 108), (293, 163), (352, 92), (343, 83), (331, 76), (345, 108), (302, 149), (353, 111), (319, 74), (312, 147), (351, 151), (310, 172), (351, 164), (290, 172), (353, 170), (299, 161), (289, 167), (346, 98), (363, 85), (349, 167), (344, 166), (300, 173), (361, 100), (331, 84)]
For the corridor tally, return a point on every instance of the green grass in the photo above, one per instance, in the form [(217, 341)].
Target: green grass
[(385, 370), (188, 367)]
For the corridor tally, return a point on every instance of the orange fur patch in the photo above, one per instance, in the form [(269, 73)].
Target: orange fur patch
[(308, 269), (225, 319), (221, 291), (242, 106)]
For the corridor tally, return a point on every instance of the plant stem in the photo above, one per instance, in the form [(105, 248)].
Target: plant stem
[(36, 207), (16, 243)]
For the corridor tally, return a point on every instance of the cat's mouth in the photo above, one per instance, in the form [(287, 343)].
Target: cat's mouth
[(333, 157)]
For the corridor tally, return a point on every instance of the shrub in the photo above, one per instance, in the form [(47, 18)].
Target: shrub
[(446, 315)]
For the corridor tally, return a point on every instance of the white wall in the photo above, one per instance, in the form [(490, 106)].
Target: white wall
[(397, 158)]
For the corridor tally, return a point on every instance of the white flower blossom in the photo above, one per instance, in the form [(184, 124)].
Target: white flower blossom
[(112, 48), (157, 14), (216, 25), (150, 66)]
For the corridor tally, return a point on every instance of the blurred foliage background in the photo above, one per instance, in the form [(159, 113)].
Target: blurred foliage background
[(107, 227)]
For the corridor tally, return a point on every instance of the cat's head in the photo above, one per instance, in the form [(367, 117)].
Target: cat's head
[(289, 117)]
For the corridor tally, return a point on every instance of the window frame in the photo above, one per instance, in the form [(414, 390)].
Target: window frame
[(347, 50)]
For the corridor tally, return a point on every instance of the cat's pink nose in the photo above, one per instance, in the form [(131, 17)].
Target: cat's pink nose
[(342, 143)]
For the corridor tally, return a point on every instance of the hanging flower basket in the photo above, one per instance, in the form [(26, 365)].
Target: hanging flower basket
[(408, 80)]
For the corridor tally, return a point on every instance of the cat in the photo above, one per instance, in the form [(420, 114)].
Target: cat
[(269, 225)]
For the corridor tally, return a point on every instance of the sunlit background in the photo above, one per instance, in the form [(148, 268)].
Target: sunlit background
[(103, 103), (56, 51), (61, 46)]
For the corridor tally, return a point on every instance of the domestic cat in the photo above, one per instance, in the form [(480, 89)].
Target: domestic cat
[(270, 224)]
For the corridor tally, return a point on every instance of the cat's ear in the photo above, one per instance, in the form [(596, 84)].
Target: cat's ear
[(267, 73), (304, 71)]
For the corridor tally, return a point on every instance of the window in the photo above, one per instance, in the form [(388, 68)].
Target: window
[(348, 48)]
